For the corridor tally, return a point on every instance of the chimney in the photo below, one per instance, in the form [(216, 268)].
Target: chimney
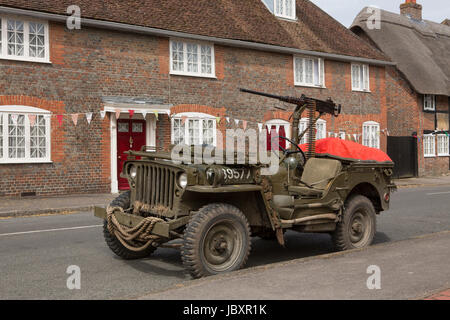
[(412, 9)]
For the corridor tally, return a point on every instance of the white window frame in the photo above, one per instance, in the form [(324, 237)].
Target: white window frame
[(5, 111), (26, 41), (429, 151), (362, 81), (443, 146), (318, 77), (429, 102), (192, 74), (194, 116), (320, 134), (371, 124), (284, 9), (278, 123)]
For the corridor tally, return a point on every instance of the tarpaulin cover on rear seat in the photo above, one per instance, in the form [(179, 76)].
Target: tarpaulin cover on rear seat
[(349, 150)]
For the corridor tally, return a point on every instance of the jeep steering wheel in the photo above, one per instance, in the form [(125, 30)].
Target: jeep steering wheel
[(289, 152)]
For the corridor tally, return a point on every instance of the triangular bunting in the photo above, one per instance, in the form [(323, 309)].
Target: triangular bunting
[(75, 118), (260, 125), (156, 114), (244, 124), (236, 121), (144, 113), (218, 120), (14, 118), (183, 119), (102, 114), (117, 113), (131, 113), (60, 119), (228, 119), (89, 117)]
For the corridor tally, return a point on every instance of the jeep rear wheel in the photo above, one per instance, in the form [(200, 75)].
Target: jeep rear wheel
[(357, 226), (123, 201), (216, 240)]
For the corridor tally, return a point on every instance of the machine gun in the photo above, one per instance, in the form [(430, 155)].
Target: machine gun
[(313, 105)]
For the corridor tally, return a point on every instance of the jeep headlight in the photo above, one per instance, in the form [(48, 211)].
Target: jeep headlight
[(132, 171), (182, 180), (210, 175)]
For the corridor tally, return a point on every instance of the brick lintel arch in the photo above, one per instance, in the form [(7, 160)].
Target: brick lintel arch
[(272, 115), (20, 100), (216, 112)]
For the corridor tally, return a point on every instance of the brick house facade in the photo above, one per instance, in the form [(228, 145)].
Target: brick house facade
[(418, 88), (112, 65)]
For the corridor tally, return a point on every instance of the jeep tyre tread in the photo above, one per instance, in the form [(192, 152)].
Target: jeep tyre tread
[(123, 201), (216, 240), (357, 226)]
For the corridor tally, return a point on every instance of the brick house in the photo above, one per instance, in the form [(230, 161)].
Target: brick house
[(418, 88), (177, 66)]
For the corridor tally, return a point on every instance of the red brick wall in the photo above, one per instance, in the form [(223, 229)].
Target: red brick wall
[(88, 64)]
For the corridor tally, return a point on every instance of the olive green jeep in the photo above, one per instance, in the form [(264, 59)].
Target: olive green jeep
[(211, 211)]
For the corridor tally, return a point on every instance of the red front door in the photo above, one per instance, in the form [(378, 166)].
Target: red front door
[(130, 136)]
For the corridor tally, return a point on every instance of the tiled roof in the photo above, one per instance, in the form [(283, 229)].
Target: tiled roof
[(246, 20)]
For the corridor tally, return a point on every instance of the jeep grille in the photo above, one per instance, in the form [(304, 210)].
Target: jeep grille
[(155, 186)]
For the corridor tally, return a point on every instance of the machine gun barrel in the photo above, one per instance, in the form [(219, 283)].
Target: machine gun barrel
[(322, 106)]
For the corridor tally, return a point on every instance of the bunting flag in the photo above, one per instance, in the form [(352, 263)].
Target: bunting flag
[(144, 113), (244, 124), (60, 119), (131, 113), (89, 117), (156, 114), (218, 120), (236, 121), (32, 118), (446, 133), (228, 119), (260, 125), (75, 118), (183, 119), (102, 114), (117, 113)]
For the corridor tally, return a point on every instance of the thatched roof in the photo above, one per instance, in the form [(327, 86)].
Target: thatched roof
[(421, 49)]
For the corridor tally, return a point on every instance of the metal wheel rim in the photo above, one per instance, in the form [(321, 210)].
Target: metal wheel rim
[(359, 227), (222, 245)]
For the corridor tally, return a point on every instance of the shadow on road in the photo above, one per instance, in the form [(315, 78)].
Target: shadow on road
[(167, 262)]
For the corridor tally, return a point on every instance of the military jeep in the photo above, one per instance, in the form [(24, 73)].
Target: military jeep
[(210, 212)]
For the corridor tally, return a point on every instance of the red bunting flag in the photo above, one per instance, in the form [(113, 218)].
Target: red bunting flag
[(60, 119), (131, 112)]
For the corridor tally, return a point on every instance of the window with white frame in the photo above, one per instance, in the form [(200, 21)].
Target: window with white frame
[(429, 145), (192, 59), (429, 102), (321, 129), (194, 129), (309, 72), (371, 134), (360, 77), (285, 8), (25, 40), (443, 145), (24, 135)]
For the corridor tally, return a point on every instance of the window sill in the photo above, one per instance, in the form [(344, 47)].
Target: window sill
[(24, 161), (174, 73), (429, 156), (44, 61), (286, 18), (363, 91), (443, 155), (309, 86)]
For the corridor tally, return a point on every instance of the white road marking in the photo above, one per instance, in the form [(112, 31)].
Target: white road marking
[(436, 193), (49, 230)]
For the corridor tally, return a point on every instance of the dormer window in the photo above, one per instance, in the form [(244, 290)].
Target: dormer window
[(285, 9)]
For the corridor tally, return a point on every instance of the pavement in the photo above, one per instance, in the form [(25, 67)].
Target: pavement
[(408, 269), (73, 203)]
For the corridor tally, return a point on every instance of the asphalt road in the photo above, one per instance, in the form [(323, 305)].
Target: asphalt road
[(35, 252)]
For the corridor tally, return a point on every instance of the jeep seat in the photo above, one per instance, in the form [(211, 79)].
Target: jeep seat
[(316, 176)]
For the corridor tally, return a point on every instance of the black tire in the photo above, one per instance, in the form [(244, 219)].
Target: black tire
[(123, 201), (216, 240), (358, 225)]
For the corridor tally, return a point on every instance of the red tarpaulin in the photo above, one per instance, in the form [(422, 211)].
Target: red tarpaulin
[(335, 147)]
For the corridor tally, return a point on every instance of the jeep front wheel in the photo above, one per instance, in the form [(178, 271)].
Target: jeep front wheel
[(216, 240), (357, 226)]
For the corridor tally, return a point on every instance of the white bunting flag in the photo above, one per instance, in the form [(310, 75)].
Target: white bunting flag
[(89, 117), (236, 121), (228, 119), (102, 114), (144, 113), (260, 125)]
